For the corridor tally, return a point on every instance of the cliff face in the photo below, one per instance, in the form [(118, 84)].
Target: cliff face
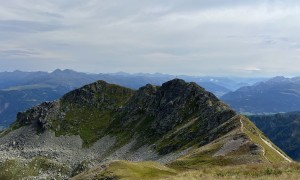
[(101, 122)]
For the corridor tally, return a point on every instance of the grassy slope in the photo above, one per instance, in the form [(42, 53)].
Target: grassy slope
[(255, 134), (252, 171), (152, 170), (199, 163), (91, 121), (203, 156), (129, 170), (88, 122)]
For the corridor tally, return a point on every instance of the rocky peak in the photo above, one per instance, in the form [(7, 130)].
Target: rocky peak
[(180, 88), (98, 94), (148, 89), (39, 115), (175, 103), (175, 83)]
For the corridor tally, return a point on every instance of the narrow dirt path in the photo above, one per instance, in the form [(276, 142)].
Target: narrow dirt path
[(268, 144), (242, 125)]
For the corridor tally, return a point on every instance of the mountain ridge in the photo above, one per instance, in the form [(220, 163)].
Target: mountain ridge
[(178, 124), (45, 86)]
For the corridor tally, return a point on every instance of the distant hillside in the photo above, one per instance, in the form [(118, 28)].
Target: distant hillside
[(21, 90), (17, 78), (100, 128), (14, 101), (283, 130), (278, 94)]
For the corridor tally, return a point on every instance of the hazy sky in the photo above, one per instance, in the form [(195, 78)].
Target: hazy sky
[(193, 37)]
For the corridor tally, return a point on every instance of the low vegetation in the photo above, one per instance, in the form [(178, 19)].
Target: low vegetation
[(252, 171), (89, 112), (89, 123), (152, 170), (129, 170), (16, 169)]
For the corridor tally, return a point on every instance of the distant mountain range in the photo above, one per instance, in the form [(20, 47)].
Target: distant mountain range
[(278, 94), (283, 129), (22, 90)]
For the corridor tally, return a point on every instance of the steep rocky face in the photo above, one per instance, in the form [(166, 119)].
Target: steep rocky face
[(101, 122), (176, 106), (175, 102)]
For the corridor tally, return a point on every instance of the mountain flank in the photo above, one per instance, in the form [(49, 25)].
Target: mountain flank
[(176, 126), (276, 95)]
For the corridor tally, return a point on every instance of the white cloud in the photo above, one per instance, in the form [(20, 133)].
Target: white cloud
[(251, 69)]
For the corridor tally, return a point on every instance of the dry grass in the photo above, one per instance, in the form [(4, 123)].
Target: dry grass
[(254, 171), (151, 170), (129, 170)]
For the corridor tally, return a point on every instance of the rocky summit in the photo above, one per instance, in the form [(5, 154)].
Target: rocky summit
[(178, 125)]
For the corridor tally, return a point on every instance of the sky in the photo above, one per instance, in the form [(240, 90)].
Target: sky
[(192, 37)]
